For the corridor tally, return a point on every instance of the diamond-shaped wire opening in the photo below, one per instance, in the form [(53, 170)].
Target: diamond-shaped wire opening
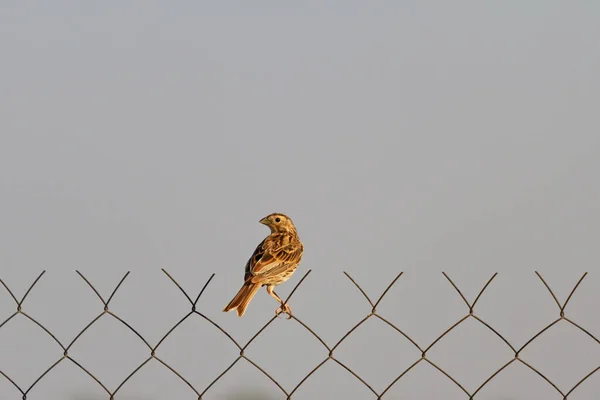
[(197, 350), (377, 353), (563, 344), (322, 301), (155, 308), (416, 308), (521, 314), (109, 350), (26, 350), (470, 353), (287, 351)]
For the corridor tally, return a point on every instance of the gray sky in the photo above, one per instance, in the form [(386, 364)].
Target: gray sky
[(416, 136)]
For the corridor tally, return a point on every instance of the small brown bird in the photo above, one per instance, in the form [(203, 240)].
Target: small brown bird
[(273, 262)]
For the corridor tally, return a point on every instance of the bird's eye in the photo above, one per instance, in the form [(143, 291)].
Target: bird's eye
[(277, 219)]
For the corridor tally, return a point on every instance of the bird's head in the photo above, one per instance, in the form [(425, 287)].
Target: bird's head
[(279, 223)]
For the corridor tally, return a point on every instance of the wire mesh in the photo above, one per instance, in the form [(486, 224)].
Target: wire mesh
[(329, 349)]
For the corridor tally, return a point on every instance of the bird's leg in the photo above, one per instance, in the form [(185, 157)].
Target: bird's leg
[(284, 307)]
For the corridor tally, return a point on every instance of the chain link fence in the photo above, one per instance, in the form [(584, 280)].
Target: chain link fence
[(329, 350)]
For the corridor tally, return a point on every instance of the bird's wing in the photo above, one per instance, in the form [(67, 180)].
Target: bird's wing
[(270, 258), (258, 254)]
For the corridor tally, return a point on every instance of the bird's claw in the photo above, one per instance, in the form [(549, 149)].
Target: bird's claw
[(284, 309)]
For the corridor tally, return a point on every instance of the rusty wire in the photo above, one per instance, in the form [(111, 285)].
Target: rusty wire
[(330, 349)]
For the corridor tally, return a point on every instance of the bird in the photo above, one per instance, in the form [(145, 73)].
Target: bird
[(272, 263)]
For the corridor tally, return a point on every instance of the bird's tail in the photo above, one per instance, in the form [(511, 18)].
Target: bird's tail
[(243, 297)]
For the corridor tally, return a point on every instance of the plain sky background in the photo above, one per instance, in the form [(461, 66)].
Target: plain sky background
[(457, 136)]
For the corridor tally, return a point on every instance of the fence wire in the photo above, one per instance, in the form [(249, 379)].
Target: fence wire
[(330, 350)]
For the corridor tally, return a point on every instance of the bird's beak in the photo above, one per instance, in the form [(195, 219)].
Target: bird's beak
[(264, 221)]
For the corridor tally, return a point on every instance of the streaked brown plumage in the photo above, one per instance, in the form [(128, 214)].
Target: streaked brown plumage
[(272, 263)]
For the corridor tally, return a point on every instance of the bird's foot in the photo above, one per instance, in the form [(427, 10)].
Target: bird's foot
[(284, 309)]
